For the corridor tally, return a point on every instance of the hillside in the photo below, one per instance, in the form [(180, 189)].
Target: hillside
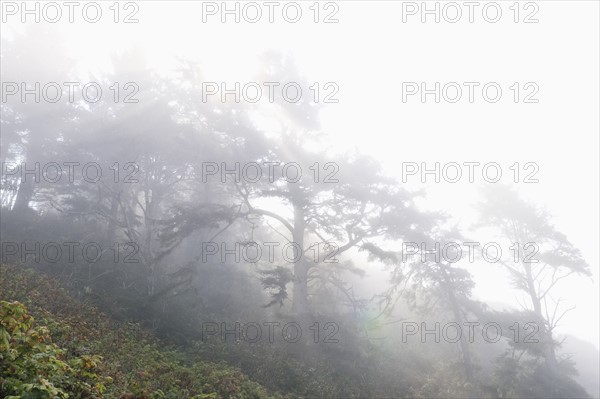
[(53, 345), (585, 356)]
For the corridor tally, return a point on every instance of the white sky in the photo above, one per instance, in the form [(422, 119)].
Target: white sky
[(370, 52)]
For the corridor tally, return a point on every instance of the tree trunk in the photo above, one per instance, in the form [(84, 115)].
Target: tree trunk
[(24, 195), (545, 334), (300, 283), (110, 228), (464, 344)]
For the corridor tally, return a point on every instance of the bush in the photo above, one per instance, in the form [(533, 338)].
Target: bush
[(34, 367), (72, 350)]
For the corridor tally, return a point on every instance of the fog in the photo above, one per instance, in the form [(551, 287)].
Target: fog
[(299, 199)]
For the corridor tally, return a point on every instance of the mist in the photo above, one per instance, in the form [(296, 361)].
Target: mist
[(342, 199)]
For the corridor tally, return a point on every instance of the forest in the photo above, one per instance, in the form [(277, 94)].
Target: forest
[(162, 239)]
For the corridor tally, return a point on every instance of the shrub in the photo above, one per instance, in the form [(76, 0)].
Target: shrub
[(34, 367)]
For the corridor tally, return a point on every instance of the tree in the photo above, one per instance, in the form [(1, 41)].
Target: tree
[(542, 258), (360, 207), (432, 283), (33, 124), (446, 287)]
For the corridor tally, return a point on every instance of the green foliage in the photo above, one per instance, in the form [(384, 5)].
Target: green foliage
[(276, 281), (51, 357), (34, 367), (446, 381), (532, 378)]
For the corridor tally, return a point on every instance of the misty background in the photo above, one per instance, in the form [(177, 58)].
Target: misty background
[(368, 135)]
